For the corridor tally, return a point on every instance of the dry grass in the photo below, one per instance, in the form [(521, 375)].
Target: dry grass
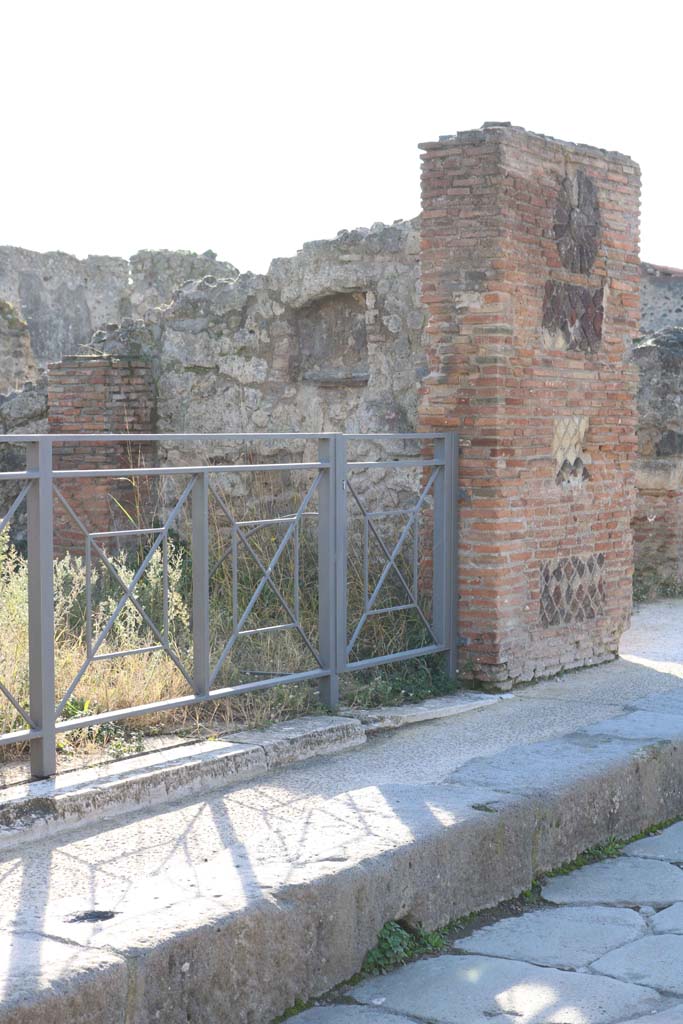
[(124, 682)]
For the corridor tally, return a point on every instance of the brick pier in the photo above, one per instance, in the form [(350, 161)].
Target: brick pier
[(99, 394), (530, 276)]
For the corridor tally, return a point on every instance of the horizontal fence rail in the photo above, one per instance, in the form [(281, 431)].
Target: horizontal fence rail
[(363, 558)]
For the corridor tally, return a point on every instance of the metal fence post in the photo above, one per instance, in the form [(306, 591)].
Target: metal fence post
[(445, 549), (41, 632), (332, 565), (201, 656)]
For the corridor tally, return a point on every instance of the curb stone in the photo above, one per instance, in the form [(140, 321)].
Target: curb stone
[(40, 808), (292, 926)]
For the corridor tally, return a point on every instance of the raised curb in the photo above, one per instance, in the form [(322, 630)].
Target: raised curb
[(478, 838), (380, 719), (36, 809)]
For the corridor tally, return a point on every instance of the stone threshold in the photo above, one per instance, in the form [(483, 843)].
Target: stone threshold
[(33, 810)]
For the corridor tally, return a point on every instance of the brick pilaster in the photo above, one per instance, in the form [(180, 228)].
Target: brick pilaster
[(99, 394), (530, 276)]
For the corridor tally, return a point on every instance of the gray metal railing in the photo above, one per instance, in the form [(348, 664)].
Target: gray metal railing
[(332, 498)]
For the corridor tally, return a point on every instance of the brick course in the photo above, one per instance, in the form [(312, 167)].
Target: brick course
[(530, 536)]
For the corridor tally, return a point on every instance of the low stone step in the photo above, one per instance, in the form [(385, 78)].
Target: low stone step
[(35, 809)]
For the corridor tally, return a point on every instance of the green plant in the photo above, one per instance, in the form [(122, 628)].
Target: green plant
[(612, 847), (397, 945), (407, 682), (297, 1007)]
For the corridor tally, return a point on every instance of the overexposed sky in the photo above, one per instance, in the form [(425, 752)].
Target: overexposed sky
[(249, 128)]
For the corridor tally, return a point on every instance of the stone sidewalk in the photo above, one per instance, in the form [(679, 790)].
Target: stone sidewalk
[(606, 947), (230, 905)]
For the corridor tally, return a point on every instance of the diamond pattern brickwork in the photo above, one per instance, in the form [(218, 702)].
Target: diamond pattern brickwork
[(572, 590), (570, 458)]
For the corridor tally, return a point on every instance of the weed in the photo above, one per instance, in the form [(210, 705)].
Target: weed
[(298, 1006), (612, 847), (397, 945)]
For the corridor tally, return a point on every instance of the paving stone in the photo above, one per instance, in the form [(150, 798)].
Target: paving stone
[(640, 725), (656, 960), (668, 845), (476, 989), (532, 768), (674, 1015), (669, 920), (568, 937), (624, 882), (664, 703)]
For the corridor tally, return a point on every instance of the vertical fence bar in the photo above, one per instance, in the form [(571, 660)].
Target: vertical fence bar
[(340, 526), (201, 656), (332, 565), (41, 633), (445, 550)]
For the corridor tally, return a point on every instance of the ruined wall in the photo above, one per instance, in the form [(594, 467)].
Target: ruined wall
[(16, 358), (658, 519), (531, 276), (329, 340), (661, 298), (63, 299)]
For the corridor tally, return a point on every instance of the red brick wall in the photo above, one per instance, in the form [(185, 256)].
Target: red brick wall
[(520, 352), (99, 394)]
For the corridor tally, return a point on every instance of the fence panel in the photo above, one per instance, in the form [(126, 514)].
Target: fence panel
[(363, 559)]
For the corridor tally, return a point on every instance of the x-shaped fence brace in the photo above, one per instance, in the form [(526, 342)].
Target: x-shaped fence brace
[(391, 561), (128, 595), (266, 578), (3, 523), (239, 535)]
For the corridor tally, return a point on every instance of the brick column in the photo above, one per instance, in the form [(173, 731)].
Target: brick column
[(100, 394), (530, 276)]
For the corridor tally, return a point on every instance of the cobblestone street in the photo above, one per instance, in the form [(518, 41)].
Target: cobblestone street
[(607, 947)]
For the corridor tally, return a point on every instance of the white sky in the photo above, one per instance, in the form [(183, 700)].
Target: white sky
[(249, 128)]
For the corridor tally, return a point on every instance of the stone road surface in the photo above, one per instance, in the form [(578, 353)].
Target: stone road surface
[(607, 948)]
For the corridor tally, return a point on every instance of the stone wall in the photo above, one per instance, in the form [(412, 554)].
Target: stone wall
[(661, 298), (16, 358), (531, 277), (329, 340), (658, 520), (21, 412), (63, 299)]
